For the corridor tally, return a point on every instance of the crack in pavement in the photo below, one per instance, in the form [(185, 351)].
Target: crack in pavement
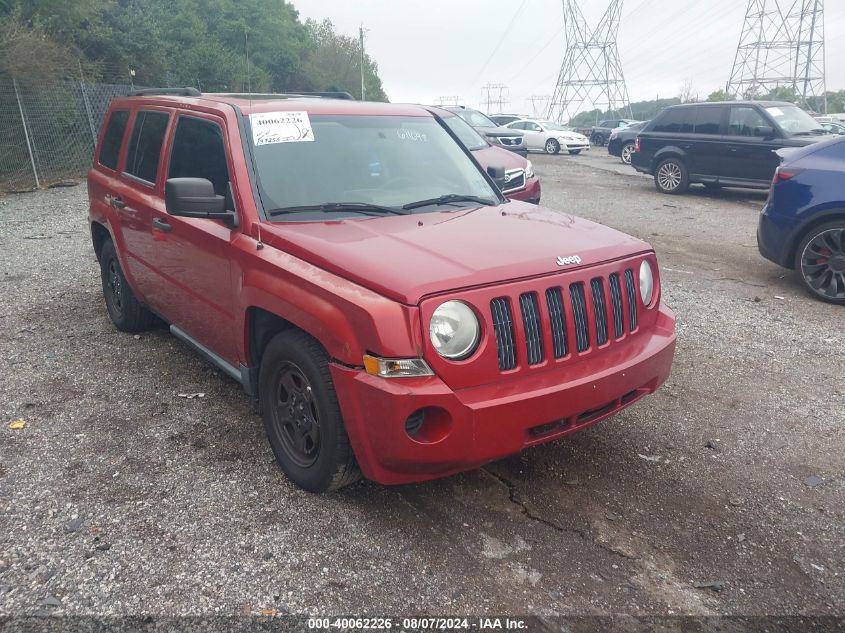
[(548, 523)]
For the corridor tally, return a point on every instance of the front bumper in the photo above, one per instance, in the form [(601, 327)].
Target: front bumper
[(529, 193), (488, 422), (571, 146)]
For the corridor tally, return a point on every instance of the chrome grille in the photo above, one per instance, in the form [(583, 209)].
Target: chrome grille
[(579, 312), (503, 327), (554, 298), (531, 322), (597, 288), (510, 141), (632, 299), (567, 319), (514, 179)]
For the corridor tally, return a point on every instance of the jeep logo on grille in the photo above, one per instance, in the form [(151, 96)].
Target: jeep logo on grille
[(566, 261)]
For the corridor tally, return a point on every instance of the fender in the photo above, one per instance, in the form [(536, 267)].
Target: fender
[(809, 219), (670, 151), (347, 319)]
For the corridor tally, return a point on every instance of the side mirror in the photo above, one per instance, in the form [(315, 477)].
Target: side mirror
[(195, 198), (766, 131), (497, 174)]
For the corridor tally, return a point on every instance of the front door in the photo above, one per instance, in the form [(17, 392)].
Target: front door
[(749, 155), (193, 254), (534, 136)]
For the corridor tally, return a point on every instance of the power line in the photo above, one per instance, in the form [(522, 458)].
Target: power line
[(501, 39)]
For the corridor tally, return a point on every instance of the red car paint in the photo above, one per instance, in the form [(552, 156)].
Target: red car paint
[(370, 285)]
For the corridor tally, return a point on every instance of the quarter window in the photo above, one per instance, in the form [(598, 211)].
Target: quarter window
[(745, 121), (145, 145), (198, 152), (708, 119), (674, 121), (110, 149)]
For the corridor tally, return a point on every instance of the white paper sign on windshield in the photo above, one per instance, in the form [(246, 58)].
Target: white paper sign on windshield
[(280, 127)]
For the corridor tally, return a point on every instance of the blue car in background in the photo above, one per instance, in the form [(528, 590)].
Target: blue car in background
[(802, 225)]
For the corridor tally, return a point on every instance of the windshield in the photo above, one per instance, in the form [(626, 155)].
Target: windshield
[(475, 118), (388, 161), (468, 136), (794, 120)]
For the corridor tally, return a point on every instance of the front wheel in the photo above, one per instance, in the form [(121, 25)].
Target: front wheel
[(627, 150), (552, 146), (598, 139), (821, 261), (671, 176), (574, 152), (302, 416)]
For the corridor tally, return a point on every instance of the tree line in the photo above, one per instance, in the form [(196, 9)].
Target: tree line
[(200, 43)]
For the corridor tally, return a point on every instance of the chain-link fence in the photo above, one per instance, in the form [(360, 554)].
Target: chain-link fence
[(48, 132)]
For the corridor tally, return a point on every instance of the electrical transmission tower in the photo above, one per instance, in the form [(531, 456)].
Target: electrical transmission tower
[(448, 100), (781, 47), (539, 105), (494, 95), (591, 73)]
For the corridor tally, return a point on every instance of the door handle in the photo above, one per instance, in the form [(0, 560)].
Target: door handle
[(161, 225), (117, 203)]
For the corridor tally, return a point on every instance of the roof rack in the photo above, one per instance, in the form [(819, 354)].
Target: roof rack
[(176, 92), (328, 95)]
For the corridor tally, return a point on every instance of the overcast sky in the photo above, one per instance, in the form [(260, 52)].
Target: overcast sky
[(426, 49)]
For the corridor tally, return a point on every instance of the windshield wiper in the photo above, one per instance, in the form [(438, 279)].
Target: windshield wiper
[(449, 198), (364, 208)]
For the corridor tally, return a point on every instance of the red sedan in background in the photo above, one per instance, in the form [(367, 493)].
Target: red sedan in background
[(520, 181)]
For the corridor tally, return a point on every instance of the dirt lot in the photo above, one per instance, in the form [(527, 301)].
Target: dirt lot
[(121, 497)]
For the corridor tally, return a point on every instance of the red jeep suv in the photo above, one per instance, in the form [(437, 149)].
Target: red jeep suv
[(358, 272)]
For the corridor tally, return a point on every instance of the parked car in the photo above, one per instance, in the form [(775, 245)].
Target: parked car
[(518, 180), (357, 271), (803, 223), (833, 128), (504, 119), (497, 135), (550, 137), (729, 143), (622, 140), (600, 133)]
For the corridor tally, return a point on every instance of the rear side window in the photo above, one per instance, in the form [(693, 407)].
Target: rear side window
[(145, 146), (199, 152), (674, 121), (110, 149), (708, 119)]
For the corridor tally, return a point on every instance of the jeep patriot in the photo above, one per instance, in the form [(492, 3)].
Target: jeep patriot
[(357, 271)]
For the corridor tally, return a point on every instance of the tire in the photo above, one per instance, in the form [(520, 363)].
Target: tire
[(625, 154), (126, 312), (552, 146), (820, 260), (301, 414), (598, 139), (671, 176), (574, 152)]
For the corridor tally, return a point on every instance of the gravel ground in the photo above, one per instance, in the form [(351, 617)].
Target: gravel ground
[(119, 497)]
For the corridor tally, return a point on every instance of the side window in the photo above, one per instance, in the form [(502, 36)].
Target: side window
[(745, 121), (517, 126), (674, 121), (110, 149), (145, 145), (198, 152), (533, 127), (708, 119)]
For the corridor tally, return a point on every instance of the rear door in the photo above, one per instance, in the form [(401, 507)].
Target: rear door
[(138, 196), (193, 255), (749, 155), (708, 144)]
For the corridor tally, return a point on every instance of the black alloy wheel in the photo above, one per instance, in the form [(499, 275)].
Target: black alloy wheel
[(296, 421), (821, 261)]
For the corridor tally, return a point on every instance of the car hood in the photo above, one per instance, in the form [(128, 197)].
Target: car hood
[(500, 131), (499, 157), (409, 257)]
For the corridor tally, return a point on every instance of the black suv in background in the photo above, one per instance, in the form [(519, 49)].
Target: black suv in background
[(621, 141), (502, 136), (729, 143), (601, 132)]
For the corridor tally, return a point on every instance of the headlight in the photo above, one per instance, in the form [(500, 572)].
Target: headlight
[(646, 283), (454, 330), (529, 169)]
